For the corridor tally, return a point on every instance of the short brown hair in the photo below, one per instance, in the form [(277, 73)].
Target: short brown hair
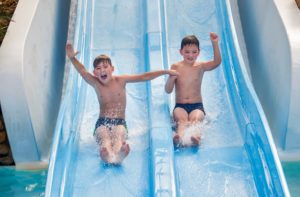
[(188, 40), (101, 58)]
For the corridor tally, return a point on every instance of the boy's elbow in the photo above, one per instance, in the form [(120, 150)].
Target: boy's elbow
[(84, 74), (167, 90), (218, 62)]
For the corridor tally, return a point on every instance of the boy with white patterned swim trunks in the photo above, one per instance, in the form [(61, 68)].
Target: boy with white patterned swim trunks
[(110, 128)]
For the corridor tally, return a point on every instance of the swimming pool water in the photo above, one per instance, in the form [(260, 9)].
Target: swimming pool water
[(32, 183), (21, 183), (292, 175)]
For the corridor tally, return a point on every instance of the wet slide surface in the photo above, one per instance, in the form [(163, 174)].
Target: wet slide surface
[(135, 39)]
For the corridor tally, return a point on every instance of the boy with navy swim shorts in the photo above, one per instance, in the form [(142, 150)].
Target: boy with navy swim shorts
[(189, 108), (110, 131)]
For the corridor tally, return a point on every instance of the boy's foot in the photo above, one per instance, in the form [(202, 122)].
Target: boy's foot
[(124, 151), (177, 141), (195, 141), (104, 154)]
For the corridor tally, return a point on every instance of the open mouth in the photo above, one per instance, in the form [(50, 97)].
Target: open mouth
[(103, 76)]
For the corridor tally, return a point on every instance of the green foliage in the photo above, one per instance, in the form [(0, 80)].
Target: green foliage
[(7, 8)]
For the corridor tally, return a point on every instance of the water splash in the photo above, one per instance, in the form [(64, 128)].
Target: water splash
[(196, 129)]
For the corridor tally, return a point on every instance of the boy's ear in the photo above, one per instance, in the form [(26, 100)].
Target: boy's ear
[(180, 51), (112, 68)]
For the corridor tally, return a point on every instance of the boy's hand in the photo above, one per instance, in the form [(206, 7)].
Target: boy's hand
[(173, 73), (214, 37), (70, 51)]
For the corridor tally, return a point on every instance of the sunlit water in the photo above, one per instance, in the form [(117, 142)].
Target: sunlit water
[(18, 183)]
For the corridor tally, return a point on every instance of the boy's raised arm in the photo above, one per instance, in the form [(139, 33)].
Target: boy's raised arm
[(210, 65), (88, 77)]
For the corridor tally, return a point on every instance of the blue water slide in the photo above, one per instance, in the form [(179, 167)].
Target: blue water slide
[(237, 156)]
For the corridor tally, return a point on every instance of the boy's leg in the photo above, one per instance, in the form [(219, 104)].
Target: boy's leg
[(181, 119), (196, 116), (120, 147), (105, 144)]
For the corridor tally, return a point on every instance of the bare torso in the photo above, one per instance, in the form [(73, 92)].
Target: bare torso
[(112, 98), (188, 82)]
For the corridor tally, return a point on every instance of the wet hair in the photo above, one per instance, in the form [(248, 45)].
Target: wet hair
[(188, 40), (101, 58)]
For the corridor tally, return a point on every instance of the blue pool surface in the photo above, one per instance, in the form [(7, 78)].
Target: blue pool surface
[(292, 174), (19, 183)]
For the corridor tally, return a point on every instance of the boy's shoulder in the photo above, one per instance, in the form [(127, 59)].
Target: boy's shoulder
[(120, 78), (176, 65), (181, 64)]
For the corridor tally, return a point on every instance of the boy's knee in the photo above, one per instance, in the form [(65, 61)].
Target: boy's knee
[(181, 118), (180, 113), (102, 130), (120, 130), (199, 119), (195, 120), (196, 117), (101, 134), (182, 122)]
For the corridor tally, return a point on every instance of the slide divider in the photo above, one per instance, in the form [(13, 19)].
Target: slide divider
[(162, 172)]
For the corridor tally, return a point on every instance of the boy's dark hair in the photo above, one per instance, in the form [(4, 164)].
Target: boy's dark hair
[(101, 58), (191, 39)]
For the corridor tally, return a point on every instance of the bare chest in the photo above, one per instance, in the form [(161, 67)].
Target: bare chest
[(189, 76), (112, 94)]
